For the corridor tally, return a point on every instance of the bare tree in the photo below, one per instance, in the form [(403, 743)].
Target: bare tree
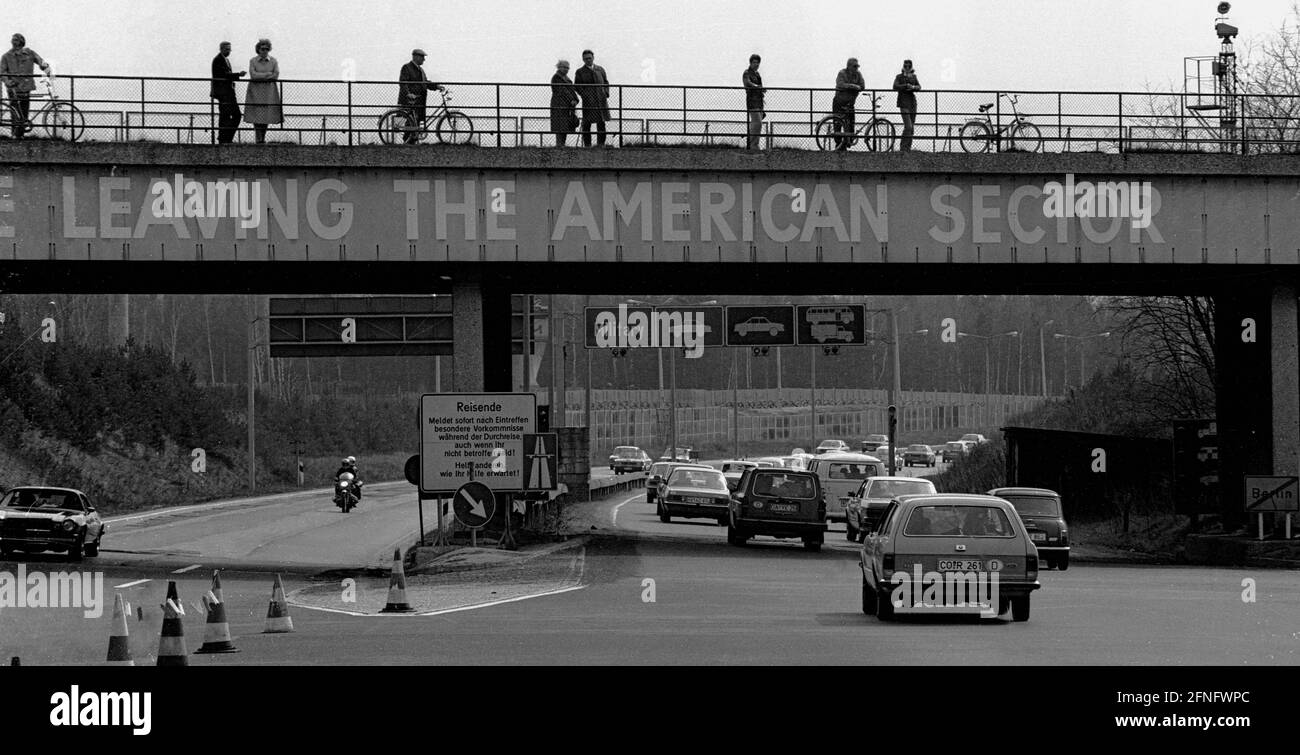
[(1170, 342)]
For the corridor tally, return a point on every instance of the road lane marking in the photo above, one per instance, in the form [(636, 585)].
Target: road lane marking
[(191, 567), (613, 516), (131, 584), (505, 600)]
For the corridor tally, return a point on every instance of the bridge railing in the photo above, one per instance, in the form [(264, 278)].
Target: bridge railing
[(320, 112)]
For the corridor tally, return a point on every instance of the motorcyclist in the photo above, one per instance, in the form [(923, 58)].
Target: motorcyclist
[(349, 465)]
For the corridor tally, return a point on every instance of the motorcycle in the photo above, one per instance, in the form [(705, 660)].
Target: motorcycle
[(347, 492)]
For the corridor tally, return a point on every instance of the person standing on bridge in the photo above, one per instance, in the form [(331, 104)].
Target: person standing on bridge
[(754, 91), (262, 102), (16, 67), (413, 94), (223, 91), (905, 83), (848, 84), (593, 88), (564, 99)]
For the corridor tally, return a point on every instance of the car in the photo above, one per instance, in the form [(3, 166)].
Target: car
[(918, 454), (686, 454), (974, 438), (694, 493), (629, 459), (770, 461), (659, 473), (833, 445), (759, 325), (956, 537), (781, 503), (873, 443), (840, 475), (793, 462), (732, 470), (35, 519), (863, 509), (953, 450), (1043, 515)]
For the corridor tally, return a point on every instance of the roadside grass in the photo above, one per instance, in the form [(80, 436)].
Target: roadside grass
[(1156, 534)]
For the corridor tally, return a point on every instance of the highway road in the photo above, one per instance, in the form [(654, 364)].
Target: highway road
[(769, 603)]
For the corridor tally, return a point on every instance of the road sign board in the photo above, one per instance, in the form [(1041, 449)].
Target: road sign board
[(540, 457), (412, 470), (650, 327), (830, 324), (1269, 493), (760, 326), (481, 433), (474, 504)]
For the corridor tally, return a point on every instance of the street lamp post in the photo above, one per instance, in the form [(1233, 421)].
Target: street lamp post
[(1083, 376), (988, 393), (1042, 355)]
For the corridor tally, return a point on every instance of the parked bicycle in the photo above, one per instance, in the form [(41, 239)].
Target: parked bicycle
[(58, 118), (877, 133), (449, 126), (978, 134)]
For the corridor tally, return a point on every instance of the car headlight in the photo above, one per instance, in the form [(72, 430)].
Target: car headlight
[(69, 525)]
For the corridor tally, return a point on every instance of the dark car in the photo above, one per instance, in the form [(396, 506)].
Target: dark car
[(874, 443), (779, 503), (658, 476), (35, 519), (1041, 511), (918, 454), (863, 509), (629, 459), (694, 493)]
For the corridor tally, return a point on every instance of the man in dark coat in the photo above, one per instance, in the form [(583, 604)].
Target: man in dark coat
[(847, 86), (593, 88), (754, 91), (905, 83), (414, 92), (223, 91), (563, 100)]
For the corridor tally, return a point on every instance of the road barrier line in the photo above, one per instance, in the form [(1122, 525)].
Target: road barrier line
[(184, 569), (131, 584)]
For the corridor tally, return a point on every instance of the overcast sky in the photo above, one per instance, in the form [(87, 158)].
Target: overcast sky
[(1102, 45)]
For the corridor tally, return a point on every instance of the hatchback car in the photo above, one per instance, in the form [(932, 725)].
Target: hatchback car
[(1040, 510), (918, 454), (863, 509), (694, 493), (956, 541), (780, 503), (629, 459), (35, 519), (832, 446)]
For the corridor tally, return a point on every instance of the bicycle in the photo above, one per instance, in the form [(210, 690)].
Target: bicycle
[(977, 133), (877, 133), (450, 126), (60, 119)]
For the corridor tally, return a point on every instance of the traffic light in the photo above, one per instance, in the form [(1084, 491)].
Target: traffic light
[(544, 418), (893, 419)]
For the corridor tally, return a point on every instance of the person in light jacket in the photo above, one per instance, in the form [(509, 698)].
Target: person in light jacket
[(16, 69), (564, 120), (262, 104), (905, 83)]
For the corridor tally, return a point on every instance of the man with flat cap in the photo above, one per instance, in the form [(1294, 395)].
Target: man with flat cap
[(413, 93), (848, 84), (223, 91), (16, 69)]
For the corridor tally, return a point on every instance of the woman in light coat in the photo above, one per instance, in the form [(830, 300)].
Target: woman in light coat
[(262, 103)]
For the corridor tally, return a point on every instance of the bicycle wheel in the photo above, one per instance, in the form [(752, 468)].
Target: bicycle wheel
[(394, 125), (975, 136), (454, 127), (62, 120), (878, 135), (6, 120), (1025, 137), (828, 133)]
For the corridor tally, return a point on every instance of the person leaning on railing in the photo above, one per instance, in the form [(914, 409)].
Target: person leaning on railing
[(223, 91), (906, 83), (262, 101), (754, 92), (16, 71), (564, 119), (848, 83)]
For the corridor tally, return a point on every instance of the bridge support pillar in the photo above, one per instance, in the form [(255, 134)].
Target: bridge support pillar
[(1245, 387), (1285, 350), (481, 339)]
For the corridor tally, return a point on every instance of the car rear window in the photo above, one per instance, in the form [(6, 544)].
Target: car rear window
[(847, 470), (895, 488), (708, 479), (1034, 505), (919, 449), (954, 446), (658, 470), (784, 486), (45, 499), (958, 521)]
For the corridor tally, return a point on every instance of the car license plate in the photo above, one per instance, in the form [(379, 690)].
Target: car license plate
[(1038, 537), (699, 500), (785, 508), (961, 565)]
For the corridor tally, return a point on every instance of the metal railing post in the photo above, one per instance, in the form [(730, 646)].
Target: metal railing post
[(684, 113), (1121, 122), (142, 128), (349, 113), (497, 87), (620, 115)]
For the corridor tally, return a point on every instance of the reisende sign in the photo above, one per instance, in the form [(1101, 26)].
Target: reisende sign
[(474, 436)]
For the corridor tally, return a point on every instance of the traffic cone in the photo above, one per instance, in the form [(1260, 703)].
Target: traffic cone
[(397, 588), (171, 643), (15, 661), (277, 614), (216, 634), (119, 644), (216, 587)]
